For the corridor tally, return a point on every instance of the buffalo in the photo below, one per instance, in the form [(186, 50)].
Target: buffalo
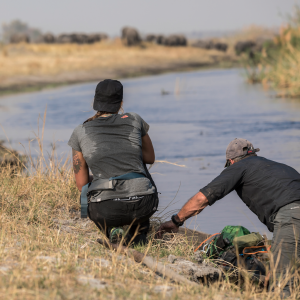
[(130, 36)]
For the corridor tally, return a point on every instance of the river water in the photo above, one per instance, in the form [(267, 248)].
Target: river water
[(191, 124)]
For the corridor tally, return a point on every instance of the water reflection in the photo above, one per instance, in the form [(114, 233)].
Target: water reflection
[(191, 126)]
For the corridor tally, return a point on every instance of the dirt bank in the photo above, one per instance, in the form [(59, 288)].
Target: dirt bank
[(26, 67)]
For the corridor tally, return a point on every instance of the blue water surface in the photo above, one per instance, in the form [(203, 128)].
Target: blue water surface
[(191, 124)]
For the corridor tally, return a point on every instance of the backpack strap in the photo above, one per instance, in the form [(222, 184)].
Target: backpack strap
[(127, 176), (84, 201)]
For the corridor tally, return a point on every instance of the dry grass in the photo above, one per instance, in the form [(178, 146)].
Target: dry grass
[(47, 252), (41, 63)]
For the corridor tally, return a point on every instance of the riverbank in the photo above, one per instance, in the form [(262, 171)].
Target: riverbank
[(48, 252), (28, 67)]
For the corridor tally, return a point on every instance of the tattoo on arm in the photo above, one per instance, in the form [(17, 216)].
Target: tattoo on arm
[(76, 161)]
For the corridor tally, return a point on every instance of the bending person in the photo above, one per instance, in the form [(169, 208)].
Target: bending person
[(116, 148), (270, 189)]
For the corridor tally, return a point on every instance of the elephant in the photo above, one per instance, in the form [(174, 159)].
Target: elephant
[(151, 38), (172, 40), (19, 38), (130, 36), (221, 46), (182, 40), (96, 37), (203, 44), (211, 45), (245, 46), (48, 38), (175, 40), (81, 38), (160, 40), (64, 39)]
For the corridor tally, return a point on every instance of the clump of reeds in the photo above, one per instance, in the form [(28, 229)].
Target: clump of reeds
[(47, 252), (277, 66)]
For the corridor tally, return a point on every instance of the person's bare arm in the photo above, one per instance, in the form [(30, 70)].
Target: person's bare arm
[(147, 150), (193, 207), (81, 169)]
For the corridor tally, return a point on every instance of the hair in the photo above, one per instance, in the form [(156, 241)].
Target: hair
[(101, 113)]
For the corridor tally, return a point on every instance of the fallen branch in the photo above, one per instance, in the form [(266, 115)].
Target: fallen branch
[(149, 262)]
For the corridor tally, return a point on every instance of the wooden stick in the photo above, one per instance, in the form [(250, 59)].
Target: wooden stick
[(149, 262)]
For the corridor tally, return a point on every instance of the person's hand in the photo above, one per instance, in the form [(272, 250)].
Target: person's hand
[(166, 227)]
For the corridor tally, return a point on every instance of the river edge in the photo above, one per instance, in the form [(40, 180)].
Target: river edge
[(27, 84)]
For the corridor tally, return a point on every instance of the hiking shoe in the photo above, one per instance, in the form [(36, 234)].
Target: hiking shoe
[(116, 234)]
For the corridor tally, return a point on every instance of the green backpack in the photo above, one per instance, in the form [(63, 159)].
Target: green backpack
[(225, 240), (231, 232)]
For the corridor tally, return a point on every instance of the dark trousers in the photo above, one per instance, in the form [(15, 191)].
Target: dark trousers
[(286, 241), (110, 213)]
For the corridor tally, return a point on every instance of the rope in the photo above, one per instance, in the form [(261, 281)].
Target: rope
[(256, 247), (205, 241)]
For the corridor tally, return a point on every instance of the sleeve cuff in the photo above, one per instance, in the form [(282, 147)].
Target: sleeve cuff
[(74, 147), (207, 192)]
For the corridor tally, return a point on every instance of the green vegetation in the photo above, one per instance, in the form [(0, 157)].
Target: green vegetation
[(277, 65)]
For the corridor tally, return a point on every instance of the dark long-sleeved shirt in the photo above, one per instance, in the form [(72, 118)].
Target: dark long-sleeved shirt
[(264, 185)]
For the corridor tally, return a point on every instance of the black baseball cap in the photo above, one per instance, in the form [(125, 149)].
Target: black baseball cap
[(108, 95)]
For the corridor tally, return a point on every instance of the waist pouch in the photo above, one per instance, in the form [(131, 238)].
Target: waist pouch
[(102, 184)]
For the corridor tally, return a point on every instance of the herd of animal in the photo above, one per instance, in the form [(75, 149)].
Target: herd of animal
[(131, 37), (49, 38)]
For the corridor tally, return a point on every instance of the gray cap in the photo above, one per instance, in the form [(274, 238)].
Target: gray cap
[(237, 148)]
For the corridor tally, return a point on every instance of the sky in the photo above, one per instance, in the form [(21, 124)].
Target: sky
[(149, 16)]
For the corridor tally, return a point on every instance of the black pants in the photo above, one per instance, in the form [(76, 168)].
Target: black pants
[(110, 213)]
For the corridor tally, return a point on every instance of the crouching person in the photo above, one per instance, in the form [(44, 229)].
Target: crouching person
[(271, 190), (116, 148)]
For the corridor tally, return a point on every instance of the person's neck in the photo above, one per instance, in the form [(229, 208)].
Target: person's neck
[(106, 115)]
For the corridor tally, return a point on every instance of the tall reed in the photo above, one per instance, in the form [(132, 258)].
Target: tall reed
[(277, 66)]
